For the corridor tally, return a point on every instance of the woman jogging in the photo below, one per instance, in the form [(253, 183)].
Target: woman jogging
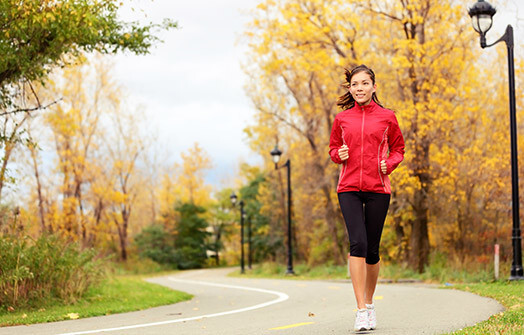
[(367, 141)]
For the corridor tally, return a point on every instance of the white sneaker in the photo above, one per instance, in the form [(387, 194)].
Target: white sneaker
[(362, 320), (372, 316)]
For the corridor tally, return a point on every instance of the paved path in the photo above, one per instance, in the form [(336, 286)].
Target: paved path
[(230, 306)]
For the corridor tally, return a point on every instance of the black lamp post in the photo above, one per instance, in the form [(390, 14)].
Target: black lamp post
[(234, 199), (482, 18), (275, 153), (249, 250)]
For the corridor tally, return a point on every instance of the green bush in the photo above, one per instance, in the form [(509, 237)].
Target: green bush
[(182, 244), (33, 271), (156, 244)]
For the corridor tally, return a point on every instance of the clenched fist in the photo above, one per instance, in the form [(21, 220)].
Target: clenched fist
[(383, 166), (343, 152)]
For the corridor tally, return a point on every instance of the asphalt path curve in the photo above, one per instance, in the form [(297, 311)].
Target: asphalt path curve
[(225, 305)]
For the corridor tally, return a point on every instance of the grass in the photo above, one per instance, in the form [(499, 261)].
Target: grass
[(511, 296), (302, 271), (436, 272), (116, 295)]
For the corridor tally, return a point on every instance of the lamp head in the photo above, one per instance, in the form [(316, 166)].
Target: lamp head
[(276, 153), (481, 14), (233, 197)]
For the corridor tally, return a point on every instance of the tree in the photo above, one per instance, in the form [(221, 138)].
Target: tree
[(297, 50), (156, 243), (125, 148), (191, 178), (220, 218), (190, 236), (426, 72), (266, 242), (38, 36)]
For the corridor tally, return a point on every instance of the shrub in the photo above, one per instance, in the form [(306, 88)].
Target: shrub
[(156, 244), (34, 271)]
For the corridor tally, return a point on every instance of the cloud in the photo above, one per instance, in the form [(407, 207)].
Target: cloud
[(192, 85)]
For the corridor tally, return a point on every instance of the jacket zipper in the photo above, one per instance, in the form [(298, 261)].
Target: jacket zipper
[(362, 146), (379, 158), (344, 163)]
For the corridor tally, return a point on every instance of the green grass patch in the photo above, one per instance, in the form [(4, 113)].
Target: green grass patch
[(329, 272), (302, 271), (436, 272), (115, 295), (511, 296)]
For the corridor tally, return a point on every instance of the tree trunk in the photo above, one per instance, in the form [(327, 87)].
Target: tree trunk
[(419, 241), (122, 233), (7, 154), (39, 191)]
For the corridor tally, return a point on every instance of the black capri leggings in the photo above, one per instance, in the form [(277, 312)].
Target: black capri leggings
[(364, 213)]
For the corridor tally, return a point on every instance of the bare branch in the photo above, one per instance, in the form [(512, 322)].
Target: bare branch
[(27, 110)]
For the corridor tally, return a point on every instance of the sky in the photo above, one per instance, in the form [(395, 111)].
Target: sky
[(191, 86)]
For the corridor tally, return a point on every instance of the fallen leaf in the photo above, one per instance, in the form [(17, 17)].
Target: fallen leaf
[(310, 314), (24, 316), (10, 309), (195, 309), (73, 316), (379, 297)]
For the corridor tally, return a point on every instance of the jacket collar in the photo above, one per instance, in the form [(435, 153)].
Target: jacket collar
[(368, 108)]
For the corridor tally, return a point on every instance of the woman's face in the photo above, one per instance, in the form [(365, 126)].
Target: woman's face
[(362, 88)]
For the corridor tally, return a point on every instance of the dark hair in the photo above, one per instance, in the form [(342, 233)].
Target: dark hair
[(346, 101)]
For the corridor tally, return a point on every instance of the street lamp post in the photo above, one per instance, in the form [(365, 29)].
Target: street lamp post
[(249, 251), (276, 153), (482, 18), (234, 199)]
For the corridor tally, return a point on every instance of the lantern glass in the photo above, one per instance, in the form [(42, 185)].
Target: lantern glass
[(482, 23), (275, 154), (233, 197)]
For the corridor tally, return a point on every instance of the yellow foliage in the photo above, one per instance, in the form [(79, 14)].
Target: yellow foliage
[(449, 107)]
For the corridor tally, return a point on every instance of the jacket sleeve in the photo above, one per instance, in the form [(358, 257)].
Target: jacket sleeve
[(335, 142), (396, 147)]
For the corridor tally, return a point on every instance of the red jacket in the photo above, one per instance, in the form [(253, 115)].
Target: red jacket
[(369, 132)]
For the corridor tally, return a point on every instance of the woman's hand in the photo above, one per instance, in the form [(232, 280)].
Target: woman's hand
[(383, 166), (343, 152)]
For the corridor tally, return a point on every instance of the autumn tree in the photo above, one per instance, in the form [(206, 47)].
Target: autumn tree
[(220, 218), (125, 147), (424, 53), (38, 36), (191, 178), (77, 132), (298, 49)]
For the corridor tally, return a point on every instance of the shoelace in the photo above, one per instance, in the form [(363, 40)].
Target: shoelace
[(362, 316)]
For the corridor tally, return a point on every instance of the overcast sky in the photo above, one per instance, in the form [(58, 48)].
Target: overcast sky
[(191, 86)]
